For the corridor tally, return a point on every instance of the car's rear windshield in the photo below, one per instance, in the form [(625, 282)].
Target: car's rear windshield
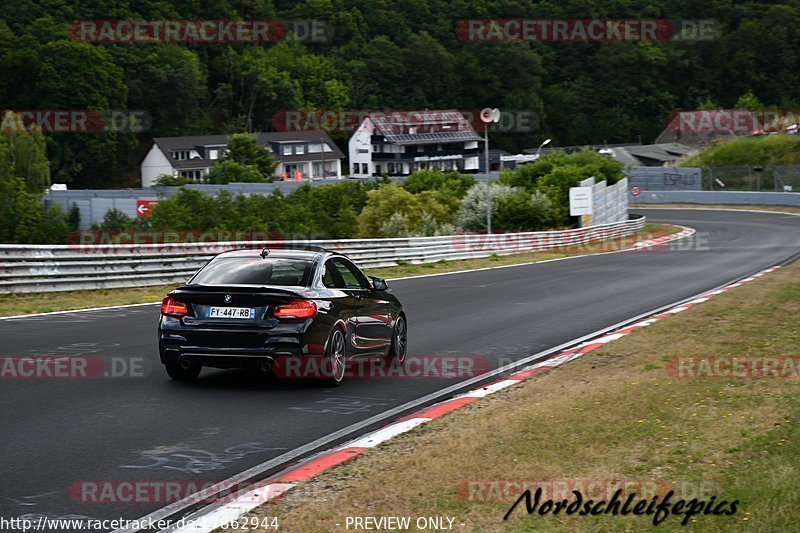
[(255, 271)]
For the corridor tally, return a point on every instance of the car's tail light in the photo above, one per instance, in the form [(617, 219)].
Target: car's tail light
[(296, 309), (171, 307)]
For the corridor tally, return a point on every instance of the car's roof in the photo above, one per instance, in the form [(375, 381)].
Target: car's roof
[(290, 253)]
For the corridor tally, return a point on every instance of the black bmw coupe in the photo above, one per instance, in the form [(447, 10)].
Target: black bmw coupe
[(251, 309)]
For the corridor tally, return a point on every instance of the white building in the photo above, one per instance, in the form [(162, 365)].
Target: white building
[(399, 143), (312, 153)]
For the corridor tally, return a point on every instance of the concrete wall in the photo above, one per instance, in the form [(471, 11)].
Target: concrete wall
[(93, 203)]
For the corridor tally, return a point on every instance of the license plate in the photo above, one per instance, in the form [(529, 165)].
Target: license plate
[(241, 313)]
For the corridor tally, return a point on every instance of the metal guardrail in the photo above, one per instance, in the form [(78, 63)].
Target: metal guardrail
[(45, 268)]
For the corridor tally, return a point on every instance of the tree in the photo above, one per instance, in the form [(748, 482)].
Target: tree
[(73, 75), (243, 149), (230, 171), (168, 81), (749, 101), (589, 163), (437, 180), (23, 153), (20, 211), (472, 213), (523, 211), (53, 227), (115, 220), (419, 213)]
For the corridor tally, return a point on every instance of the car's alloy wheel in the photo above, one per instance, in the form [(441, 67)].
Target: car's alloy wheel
[(399, 340), (336, 356)]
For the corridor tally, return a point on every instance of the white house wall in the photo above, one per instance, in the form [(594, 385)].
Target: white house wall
[(154, 165), (361, 140)]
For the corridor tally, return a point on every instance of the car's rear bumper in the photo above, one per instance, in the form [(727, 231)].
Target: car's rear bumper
[(236, 347)]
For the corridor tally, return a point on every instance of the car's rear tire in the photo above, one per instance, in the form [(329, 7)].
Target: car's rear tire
[(335, 357), (399, 346), (183, 369)]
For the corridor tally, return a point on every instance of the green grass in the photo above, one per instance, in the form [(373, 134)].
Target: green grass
[(761, 150)]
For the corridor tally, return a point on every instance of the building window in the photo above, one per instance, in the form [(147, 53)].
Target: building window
[(286, 150), (299, 149), (355, 168), (364, 168), (213, 154), (377, 169), (194, 175)]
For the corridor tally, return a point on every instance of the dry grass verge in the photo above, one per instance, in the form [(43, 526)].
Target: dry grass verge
[(614, 415)]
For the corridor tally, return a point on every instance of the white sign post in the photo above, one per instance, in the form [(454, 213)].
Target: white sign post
[(580, 201)]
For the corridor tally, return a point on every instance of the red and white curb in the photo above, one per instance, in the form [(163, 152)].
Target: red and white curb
[(284, 482), (660, 242)]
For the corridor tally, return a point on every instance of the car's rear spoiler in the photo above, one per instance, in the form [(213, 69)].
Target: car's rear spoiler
[(252, 289)]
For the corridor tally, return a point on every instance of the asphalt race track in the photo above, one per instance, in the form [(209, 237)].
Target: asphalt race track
[(58, 432)]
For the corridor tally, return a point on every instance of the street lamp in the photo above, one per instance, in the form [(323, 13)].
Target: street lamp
[(539, 150), (489, 115)]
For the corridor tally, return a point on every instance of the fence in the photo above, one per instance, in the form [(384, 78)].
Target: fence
[(775, 178), (666, 179), (716, 197), (44, 268)]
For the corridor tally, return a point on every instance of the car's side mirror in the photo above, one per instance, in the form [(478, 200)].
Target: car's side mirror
[(378, 284)]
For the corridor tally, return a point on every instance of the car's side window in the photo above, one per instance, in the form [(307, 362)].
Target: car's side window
[(352, 277), (331, 277)]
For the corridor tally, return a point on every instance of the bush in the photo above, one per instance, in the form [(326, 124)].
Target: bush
[(167, 180), (588, 162), (187, 210), (381, 204), (114, 220), (230, 171), (523, 211), (392, 211), (53, 228), (437, 180), (472, 213)]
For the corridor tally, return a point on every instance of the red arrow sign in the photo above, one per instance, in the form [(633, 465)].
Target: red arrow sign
[(144, 208)]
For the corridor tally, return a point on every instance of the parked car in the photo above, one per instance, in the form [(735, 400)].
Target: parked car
[(250, 308)]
